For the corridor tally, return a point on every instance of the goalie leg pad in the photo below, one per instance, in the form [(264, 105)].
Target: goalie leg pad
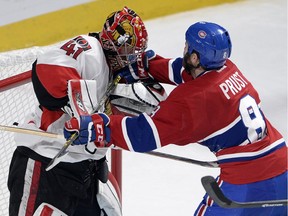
[(108, 199), (46, 209)]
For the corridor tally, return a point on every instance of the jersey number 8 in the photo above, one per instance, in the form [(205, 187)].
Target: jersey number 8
[(252, 118)]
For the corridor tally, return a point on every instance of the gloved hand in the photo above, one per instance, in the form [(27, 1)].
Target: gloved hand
[(90, 128), (139, 69)]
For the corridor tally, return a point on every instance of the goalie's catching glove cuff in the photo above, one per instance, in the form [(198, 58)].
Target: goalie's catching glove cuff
[(139, 69), (90, 128)]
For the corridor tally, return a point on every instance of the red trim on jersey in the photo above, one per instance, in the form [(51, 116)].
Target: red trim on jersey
[(115, 122), (202, 210), (47, 73), (47, 211), (209, 201), (117, 118), (48, 117), (33, 189), (272, 136), (259, 169), (158, 68)]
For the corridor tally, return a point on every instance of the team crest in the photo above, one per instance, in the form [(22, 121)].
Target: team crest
[(202, 34)]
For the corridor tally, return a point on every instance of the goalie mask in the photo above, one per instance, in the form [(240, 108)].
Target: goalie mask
[(123, 38)]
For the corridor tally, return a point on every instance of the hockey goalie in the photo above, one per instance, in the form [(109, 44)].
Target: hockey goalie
[(126, 99), (74, 186), (70, 80)]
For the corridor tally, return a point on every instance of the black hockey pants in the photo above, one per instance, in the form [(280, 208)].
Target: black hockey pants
[(70, 187)]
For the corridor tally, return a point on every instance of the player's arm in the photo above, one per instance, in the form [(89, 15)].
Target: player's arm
[(141, 134), (151, 65), (53, 71), (50, 84), (167, 70), (168, 124)]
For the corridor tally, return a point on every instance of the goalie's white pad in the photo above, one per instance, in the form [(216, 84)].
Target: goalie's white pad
[(82, 96), (138, 97), (46, 209), (108, 198), (83, 100)]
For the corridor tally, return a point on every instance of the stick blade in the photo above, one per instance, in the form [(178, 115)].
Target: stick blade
[(212, 189), (56, 160)]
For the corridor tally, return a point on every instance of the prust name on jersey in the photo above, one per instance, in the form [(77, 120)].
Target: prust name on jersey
[(233, 85)]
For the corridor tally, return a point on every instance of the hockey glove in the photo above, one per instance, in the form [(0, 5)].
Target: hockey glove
[(139, 69), (89, 128)]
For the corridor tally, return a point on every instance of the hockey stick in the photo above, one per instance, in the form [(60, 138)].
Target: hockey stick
[(62, 153), (210, 164), (30, 131), (213, 190)]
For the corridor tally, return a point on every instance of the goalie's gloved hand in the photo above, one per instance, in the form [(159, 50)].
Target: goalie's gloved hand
[(90, 128), (139, 69)]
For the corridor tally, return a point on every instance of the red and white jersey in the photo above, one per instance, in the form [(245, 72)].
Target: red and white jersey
[(81, 57), (219, 109)]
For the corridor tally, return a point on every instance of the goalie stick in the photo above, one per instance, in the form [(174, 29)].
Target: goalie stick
[(213, 190), (210, 164), (30, 131)]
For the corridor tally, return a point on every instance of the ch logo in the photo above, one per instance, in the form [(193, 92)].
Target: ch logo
[(100, 132)]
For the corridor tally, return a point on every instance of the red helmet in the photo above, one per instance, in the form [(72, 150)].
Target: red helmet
[(124, 37)]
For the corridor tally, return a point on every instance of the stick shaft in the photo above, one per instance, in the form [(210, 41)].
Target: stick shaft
[(211, 164), (61, 153), (30, 131), (109, 90)]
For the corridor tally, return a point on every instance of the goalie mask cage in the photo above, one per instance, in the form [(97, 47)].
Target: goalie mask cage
[(17, 99)]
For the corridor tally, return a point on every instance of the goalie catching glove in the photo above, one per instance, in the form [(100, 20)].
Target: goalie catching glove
[(90, 128), (139, 69)]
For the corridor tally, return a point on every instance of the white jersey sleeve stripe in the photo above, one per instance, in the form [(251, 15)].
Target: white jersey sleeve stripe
[(171, 71), (252, 154)]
